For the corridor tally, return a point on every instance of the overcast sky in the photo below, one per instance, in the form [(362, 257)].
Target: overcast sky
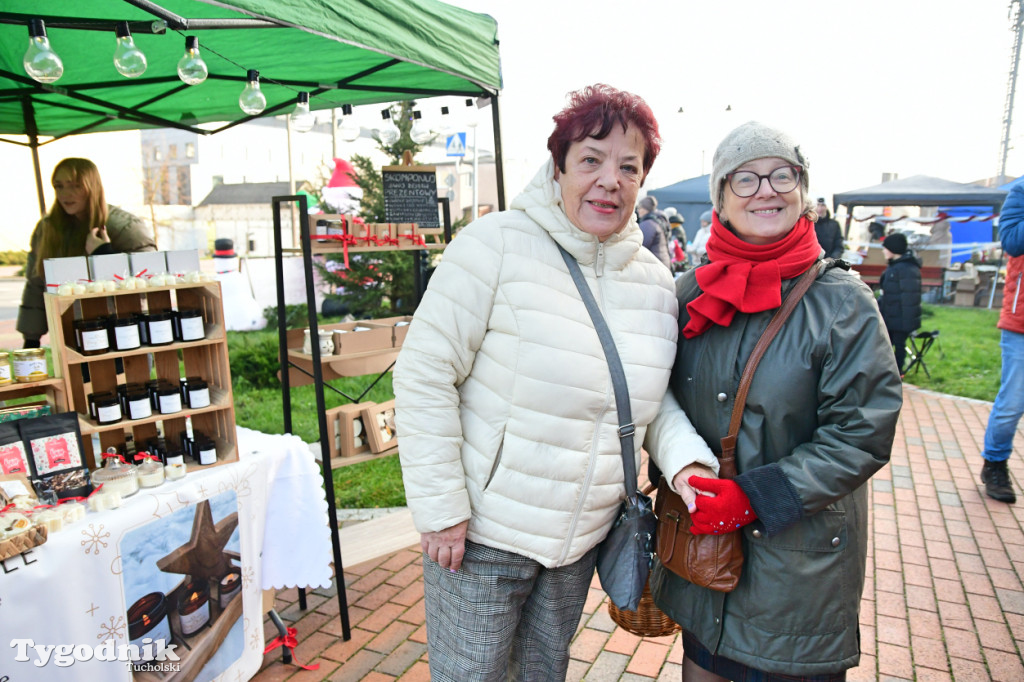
[(865, 87)]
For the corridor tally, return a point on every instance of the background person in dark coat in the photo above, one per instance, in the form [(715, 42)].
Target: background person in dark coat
[(655, 228), (830, 236), (901, 294)]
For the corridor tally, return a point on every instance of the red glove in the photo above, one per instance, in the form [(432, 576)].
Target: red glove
[(728, 510)]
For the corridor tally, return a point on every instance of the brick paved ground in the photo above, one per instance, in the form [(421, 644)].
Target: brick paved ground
[(944, 597)]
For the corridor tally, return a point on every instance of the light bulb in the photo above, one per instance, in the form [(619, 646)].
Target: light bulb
[(128, 59), (420, 133), (302, 118), (41, 62), (348, 130), (191, 67), (252, 100), (389, 134), (472, 116), (447, 128)]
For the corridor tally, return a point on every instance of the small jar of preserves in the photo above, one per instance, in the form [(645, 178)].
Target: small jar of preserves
[(29, 365), (6, 377)]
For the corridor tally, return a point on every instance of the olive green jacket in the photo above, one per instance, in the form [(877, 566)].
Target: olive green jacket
[(819, 421), (127, 233)]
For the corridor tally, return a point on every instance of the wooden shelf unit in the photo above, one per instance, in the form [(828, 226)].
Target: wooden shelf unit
[(52, 388), (206, 358)]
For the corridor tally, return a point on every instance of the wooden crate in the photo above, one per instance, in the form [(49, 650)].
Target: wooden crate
[(206, 358)]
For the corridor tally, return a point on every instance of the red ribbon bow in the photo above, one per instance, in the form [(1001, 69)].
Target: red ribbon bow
[(145, 455), (289, 642), (114, 455), (7, 508)]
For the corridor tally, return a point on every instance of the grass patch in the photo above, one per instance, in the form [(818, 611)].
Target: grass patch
[(965, 361), (376, 483)]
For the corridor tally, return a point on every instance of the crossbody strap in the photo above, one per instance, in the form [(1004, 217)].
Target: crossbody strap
[(626, 426), (728, 457)]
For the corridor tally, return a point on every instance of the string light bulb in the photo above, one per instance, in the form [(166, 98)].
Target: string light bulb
[(191, 67), (128, 59), (302, 118), (389, 134), (41, 62), (420, 133), (252, 100), (348, 130)]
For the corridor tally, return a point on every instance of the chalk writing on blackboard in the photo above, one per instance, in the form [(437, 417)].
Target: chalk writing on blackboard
[(410, 195)]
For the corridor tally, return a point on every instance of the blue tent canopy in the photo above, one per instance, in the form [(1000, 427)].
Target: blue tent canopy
[(689, 197)]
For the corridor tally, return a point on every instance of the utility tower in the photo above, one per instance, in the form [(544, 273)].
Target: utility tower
[(1017, 24)]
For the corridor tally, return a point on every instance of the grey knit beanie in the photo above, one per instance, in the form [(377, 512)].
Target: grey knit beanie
[(749, 142)]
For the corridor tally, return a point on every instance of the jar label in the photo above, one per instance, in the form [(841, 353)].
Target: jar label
[(199, 397), (207, 456), (30, 369), (5, 371), (192, 329), (139, 409), (96, 339), (170, 403), (192, 622), (127, 337), (111, 413), (160, 331)]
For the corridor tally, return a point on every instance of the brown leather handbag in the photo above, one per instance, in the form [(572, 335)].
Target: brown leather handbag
[(716, 561)]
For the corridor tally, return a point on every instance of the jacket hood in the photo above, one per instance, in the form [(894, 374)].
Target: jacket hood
[(541, 200)]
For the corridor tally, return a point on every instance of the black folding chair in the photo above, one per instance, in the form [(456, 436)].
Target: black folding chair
[(920, 343)]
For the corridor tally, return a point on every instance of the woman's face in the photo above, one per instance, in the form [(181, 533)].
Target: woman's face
[(767, 216), (601, 181), (71, 195)]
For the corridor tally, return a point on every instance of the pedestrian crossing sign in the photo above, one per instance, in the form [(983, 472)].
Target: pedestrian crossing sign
[(456, 145)]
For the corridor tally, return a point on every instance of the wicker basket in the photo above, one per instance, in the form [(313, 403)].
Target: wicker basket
[(647, 621)]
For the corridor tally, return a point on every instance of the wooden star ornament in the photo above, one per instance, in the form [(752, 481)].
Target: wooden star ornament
[(203, 555)]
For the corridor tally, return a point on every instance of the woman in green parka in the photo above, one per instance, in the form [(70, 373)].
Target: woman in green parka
[(819, 422)]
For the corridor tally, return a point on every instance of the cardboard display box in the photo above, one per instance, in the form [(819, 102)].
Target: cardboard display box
[(57, 271), (346, 434), (108, 266)]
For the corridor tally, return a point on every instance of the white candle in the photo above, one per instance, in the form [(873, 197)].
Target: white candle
[(65, 289), (175, 471), (72, 511), (78, 289), (94, 287), (109, 285), (150, 478), (192, 277), (51, 518)]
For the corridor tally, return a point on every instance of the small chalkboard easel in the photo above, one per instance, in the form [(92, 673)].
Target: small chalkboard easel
[(410, 196)]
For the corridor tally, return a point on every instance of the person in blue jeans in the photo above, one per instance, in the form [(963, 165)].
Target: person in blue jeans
[(1009, 403)]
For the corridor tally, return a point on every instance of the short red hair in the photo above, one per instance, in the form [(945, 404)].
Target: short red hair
[(593, 111)]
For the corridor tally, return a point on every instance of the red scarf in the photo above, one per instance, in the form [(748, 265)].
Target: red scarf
[(747, 277)]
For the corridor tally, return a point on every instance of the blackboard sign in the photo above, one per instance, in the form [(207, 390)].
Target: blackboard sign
[(410, 195)]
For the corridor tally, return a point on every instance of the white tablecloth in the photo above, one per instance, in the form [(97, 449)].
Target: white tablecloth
[(76, 588)]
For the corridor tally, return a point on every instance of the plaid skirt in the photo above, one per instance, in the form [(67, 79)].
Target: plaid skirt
[(738, 672)]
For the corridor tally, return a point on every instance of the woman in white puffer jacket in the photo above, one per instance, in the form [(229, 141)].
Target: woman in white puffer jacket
[(505, 411)]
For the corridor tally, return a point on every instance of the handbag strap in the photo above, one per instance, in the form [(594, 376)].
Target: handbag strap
[(727, 460), (626, 426)]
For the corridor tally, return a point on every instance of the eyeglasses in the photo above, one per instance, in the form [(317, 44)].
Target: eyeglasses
[(746, 183)]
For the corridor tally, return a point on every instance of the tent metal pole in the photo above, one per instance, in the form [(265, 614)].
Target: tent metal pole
[(32, 131), (499, 159)]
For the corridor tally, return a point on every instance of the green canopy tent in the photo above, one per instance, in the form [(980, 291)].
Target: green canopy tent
[(356, 52)]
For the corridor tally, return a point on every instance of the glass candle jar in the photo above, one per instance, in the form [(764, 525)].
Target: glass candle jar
[(147, 619), (91, 399), (197, 394), (190, 325), (169, 399), (174, 457), (142, 319), (151, 473), (205, 450), (194, 607), (124, 334), (161, 328), (6, 377), (229, 586), (29, 365), (108, 408), (92, 336), (139, 406)]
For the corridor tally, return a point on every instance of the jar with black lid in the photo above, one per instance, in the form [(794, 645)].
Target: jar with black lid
[(205, 450), (169, 399), (98, 395), (124, 333), (92, 336), (152, 387), (108, 408), (138, 404), (161, 328), (197, 393), (189, 325)]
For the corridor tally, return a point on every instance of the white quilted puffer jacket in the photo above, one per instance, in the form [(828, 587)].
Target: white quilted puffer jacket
[(504, 404)]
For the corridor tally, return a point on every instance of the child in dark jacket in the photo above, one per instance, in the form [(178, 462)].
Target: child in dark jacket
[(901, 294)]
